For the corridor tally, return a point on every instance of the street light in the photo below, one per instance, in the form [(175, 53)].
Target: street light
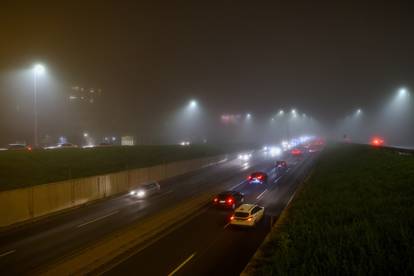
[(193, 104), (281, 112), (38, 69), (402, 92)]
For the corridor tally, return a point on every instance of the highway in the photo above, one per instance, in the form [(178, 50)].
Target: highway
[(206, 244), (35, 245)]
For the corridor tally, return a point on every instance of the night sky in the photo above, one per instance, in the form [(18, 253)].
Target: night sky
[(150, 58)]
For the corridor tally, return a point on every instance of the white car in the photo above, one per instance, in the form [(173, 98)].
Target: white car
[(245, 157), (247, 215), (146, 190)]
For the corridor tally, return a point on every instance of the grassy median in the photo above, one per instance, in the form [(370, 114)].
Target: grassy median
[(355, 216), (23, 168)]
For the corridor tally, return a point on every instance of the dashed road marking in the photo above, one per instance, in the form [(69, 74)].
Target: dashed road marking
[(259, 196), (234, 187), (182, 264), (7, 253), (276, 180), (97, 219)]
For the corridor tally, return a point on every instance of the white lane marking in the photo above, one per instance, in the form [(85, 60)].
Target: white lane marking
[(276, 180), (182, 264), (234, 187), (96, 219), (225, 226), (291, 198), (259, 196), (7, 253)]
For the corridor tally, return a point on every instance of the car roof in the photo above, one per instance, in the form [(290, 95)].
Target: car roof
[(228, 193), (245, 207), (258, 173), (149, 183)]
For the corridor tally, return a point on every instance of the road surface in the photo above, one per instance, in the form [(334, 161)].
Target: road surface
[(37, 244), (206, 244)]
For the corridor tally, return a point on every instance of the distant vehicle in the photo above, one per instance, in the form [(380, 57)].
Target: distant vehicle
[(257, 178), (104, 144), (314, 148), (146, 189), (296, 152), (19, 147), (228, 199), (280, 164), (245, 157), (67, 146), (377, 142), (247, 215)]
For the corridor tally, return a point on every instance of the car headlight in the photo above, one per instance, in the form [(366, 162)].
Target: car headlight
[(141, 193), (132, 192)]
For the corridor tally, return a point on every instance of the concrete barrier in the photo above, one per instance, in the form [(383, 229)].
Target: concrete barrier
[(25, 204), (15, 205)]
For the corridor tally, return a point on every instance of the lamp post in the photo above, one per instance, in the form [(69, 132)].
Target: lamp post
[(38, 69)]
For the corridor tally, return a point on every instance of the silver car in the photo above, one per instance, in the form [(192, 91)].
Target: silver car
[(146, 189)]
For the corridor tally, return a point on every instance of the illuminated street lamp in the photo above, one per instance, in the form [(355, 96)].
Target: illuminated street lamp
[(281, 112), (85, 134), (38, 69), (248, 116), (402, 92), (193, 104)]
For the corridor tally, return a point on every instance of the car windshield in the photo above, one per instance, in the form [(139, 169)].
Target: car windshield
[(241, 214), (224, 195), (149, 186), (257, 174)]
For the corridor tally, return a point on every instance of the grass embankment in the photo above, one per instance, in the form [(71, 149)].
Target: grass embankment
[(355, 216), (21, 168)]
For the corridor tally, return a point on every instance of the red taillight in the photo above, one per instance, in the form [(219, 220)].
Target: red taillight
[(376, 141), (250, 177), (215, 199), (260, 177), (230, 200), (232, 217)]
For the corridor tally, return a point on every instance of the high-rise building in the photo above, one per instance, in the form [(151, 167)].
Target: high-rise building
[(80, 94)]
